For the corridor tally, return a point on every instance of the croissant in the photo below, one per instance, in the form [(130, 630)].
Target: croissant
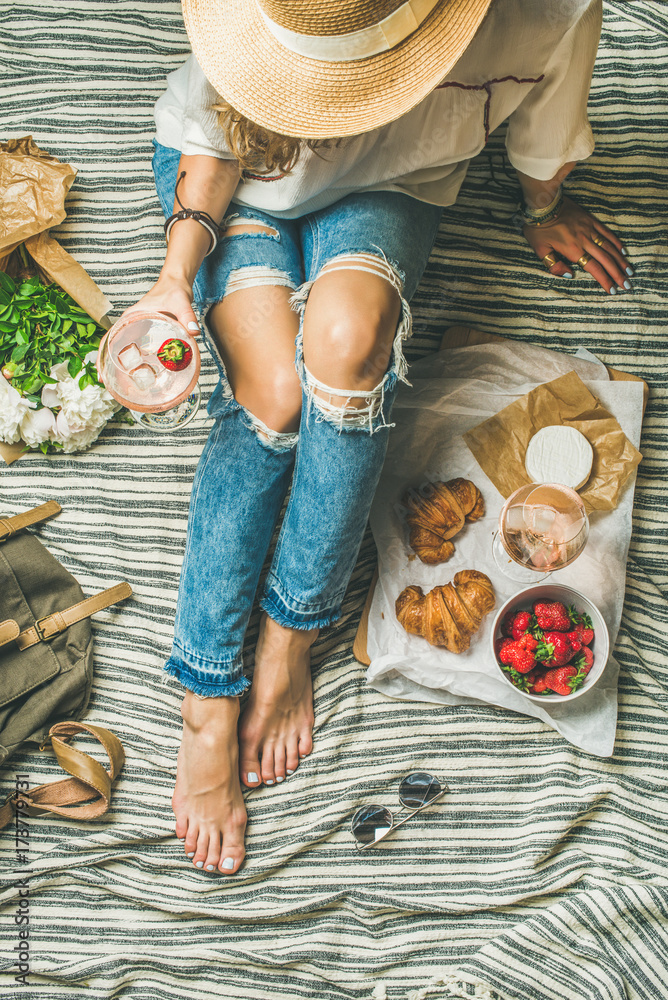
[(447, 616), (435, 518)]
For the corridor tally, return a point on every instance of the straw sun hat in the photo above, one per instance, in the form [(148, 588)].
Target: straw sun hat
[(319, 69)]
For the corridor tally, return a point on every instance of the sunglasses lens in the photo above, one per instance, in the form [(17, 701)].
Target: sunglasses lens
[(370, 823), (418, 788)]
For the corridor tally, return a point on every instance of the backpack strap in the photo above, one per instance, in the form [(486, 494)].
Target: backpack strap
[(54, 624), (8, 630), (87, 794), (10, 525)]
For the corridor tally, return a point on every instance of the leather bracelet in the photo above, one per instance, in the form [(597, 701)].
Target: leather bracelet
[(189, 213), (204, 219)]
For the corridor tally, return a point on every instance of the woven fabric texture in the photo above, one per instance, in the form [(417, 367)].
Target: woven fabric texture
[(542, 875)]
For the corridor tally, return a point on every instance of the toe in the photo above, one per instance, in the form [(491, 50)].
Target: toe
[(268, 773), (232, 853), (202, 849), (305, 745), (249, 768), (192, 836), (213, 853), (279, 763), (291, 755), (182, 827)]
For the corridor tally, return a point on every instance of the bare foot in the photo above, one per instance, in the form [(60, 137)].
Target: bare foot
[(276, 725), (207, 801)]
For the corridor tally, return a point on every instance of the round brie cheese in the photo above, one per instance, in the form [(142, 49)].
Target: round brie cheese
[(559, 454)]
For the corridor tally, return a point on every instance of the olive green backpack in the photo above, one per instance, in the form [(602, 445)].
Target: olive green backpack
[(46, 667)]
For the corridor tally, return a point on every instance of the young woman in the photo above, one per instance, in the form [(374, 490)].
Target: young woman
[(325, 139)]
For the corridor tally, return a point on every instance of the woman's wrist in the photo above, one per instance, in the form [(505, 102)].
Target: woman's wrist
[(543, 216)]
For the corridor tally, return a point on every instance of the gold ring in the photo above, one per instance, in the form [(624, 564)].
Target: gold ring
[(583, 260), (549, 260), (598, 242)]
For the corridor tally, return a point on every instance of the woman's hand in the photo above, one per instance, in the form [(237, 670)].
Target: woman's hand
[(576, 232), (172, 296)]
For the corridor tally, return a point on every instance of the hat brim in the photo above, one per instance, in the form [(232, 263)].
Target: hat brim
[(313, 99)]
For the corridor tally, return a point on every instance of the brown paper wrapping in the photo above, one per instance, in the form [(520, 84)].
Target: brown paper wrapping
[(565, 400), (33, 186)]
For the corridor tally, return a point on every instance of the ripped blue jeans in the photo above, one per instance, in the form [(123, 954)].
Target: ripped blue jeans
[(331, 465)]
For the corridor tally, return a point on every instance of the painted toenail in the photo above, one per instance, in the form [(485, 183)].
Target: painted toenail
[(182, 839), (252, 776), (191, 855), (279, 780), (629, 271), (199, 864), (269, 781), (627, 284), (613, 291), (625, 251), (289, 771), (228, 863), (210, 868), (192, 325)]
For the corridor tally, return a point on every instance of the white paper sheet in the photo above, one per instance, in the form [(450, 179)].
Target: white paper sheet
[(452, 392)]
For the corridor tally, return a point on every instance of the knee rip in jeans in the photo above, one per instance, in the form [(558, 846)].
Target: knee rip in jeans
[(247, 226), (273, 440), (347, 415)]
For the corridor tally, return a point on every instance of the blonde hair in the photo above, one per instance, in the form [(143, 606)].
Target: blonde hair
[(259, 149)]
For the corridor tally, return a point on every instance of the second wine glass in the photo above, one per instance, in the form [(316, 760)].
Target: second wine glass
[(542, 528)]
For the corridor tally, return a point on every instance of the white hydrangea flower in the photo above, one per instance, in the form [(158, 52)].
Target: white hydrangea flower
[(13, 408)]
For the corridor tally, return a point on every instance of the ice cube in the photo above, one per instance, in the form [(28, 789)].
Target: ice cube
[(129, 357), (143, 376), (542, 519)]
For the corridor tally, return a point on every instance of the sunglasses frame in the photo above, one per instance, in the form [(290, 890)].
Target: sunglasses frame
[(395, 826)]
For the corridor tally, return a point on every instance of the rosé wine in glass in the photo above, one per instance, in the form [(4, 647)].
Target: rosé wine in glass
[(542, 528), (150, 364)]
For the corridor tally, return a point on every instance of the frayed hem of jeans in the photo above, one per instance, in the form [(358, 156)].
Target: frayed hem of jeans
[(281, 618), (206, 690)]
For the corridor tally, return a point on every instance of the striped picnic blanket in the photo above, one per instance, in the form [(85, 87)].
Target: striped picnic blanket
[(542, 874)]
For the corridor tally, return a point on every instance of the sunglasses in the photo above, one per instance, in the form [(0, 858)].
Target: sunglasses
[(372, 823)]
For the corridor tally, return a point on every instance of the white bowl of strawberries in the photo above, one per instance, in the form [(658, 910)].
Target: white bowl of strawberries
[(550, 643)]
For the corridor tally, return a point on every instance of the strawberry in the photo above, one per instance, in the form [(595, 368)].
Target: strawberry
[(539, 686), (574, 640), (553, 617), (585, 661), (519, 653), (516, 623), (564, 680), (556, 650), (175, 355), (582, 624)]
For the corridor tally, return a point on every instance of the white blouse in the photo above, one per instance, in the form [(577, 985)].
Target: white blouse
[(530, 62)]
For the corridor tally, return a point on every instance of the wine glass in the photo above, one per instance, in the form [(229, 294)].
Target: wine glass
[(542, 528), (150, 364)]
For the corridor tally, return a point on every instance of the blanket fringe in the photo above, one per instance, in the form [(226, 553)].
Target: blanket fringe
[(455, 986)]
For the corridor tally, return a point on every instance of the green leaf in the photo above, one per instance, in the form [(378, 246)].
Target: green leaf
[(90, 329), (74, 366), (85, 380), (6, 327), (6, 283), (19, 352)]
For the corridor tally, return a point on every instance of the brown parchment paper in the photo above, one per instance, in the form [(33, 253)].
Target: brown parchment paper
[(499, 444), (33, 187)]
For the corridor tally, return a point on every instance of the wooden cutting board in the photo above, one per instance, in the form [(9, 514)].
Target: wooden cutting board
[(460, 336)]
